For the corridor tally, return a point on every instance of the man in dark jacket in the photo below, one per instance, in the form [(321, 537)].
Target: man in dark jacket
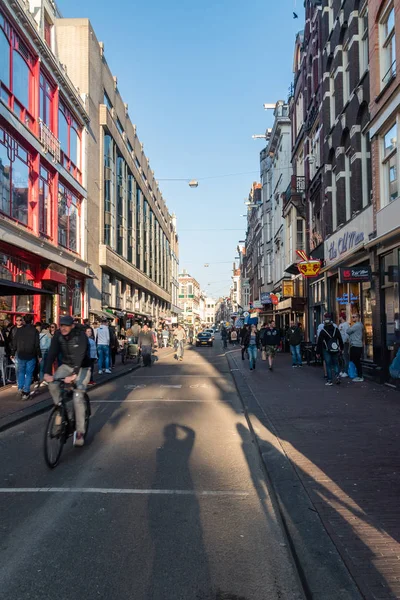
[(71, 343), (271, 341), (26, 348), (294, 336), (224, 336), (146, 343), (330, 345)]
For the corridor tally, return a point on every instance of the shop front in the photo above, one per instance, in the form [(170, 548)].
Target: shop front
[(348, 276), (389, 282)]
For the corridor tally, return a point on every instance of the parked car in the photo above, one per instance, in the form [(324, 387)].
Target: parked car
[(204, 338)]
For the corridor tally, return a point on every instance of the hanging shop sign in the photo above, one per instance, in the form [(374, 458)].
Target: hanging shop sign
[(287, 288), (308, 267), (355, 274), (275, 299), (257, 304), (266, 298)]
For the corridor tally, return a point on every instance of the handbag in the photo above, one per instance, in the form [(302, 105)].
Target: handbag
[(263, 355)]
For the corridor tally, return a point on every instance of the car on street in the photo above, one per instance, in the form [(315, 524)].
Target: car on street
[(204, 338), (211, 332)]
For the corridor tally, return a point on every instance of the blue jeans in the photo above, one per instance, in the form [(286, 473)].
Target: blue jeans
[(332, 364), (104, 356), (252, 350), (296, 355), (25, 374)]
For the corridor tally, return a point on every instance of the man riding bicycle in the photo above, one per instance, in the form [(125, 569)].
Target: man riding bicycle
[(71, 345)]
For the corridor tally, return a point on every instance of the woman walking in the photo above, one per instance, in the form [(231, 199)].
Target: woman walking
[(251, 342)]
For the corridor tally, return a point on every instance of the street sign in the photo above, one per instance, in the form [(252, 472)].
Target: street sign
[(354, 274)]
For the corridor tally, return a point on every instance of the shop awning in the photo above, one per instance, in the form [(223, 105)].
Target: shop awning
[(101, 314), (11, 288)]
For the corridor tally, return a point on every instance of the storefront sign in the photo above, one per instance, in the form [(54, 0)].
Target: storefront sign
[(309, 268), (354, 274), (350, 238), (266, 298), (288, 288), (257, 304), (346, 299)]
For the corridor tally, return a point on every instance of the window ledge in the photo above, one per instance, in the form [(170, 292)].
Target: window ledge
[(385, 88)]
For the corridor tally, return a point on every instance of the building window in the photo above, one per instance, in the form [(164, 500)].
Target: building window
[(48, 26), (347, 184), (16, 65), (107, 101), (389, 165), (69, 134), (346, 73), (45, 203), (109, 199), (151, 245), (68, 218), (138, 226), (145, 235), (334, 200), (388, 46), (14, 179), (364, 44), (46, 101), (131, 210), (119, 126), (365, 168), (300, 234), (332, 107), (121, 195)]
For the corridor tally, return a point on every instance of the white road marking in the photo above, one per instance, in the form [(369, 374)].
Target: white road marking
[(179, 376), (171, 386), (134, 387), (199, 385), (126, 491), (157, 400)]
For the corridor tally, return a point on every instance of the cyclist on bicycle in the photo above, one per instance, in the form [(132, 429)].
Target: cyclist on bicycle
[(71, 345)]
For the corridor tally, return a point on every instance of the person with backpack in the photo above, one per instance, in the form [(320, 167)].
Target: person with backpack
[(271, 341), (330, 345), (44, 341), (294, 336)]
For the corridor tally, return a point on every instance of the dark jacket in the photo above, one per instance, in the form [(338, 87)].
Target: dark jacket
[(294, 335), (72, 348), (224, 334), (146, 338), (25, 343), (272, 337), (330, 331), (246, 339), (113, 339)]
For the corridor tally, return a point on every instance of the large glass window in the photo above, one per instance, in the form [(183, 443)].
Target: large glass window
[(151, 245), (69, 134), (389, 165), (109, 201), (363, 44), (139, 240), (45, 204), (121, 196), (145, 236), (68, 218), (14, 179), (16, 79), (131, 208), (46, 105), (388, 46)]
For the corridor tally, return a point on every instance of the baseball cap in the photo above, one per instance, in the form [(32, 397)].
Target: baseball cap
[(66, 320), (328, 316)]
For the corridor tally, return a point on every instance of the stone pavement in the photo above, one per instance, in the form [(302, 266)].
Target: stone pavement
[(13, 409), (343, 444)]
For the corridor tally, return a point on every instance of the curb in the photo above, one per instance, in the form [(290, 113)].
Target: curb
[(323, 573), (40, 407)]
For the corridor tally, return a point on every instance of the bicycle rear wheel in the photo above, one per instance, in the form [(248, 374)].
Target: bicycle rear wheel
[(55, 435)]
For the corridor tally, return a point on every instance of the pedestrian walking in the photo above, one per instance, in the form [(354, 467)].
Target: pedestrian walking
[(294, 336), (234, 337), (330, 345), (92, 352), (146, 343), (102, 338), (243, 333), (26, 348), (345, 357), (165, 336), (113, 345), (44, 341), (180, 337), (271, 340), (224, 337), (135, 332), (356, 340), (251, 343)]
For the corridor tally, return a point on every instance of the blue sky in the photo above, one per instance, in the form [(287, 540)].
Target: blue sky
[(195, 76)]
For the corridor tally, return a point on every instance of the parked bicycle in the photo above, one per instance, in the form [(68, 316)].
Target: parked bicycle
[(61, 425)]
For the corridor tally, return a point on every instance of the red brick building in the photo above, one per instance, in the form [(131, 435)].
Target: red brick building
[(42, 165), (384, 48)]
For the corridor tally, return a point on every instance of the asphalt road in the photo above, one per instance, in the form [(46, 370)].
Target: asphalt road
[(166, 501)]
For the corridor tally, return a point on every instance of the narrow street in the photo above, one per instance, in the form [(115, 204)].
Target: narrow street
[(166, 501)]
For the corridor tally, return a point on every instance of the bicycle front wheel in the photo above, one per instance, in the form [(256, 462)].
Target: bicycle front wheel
[(55, 435)]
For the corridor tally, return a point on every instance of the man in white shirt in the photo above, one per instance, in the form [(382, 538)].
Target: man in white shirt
[(102, 338)]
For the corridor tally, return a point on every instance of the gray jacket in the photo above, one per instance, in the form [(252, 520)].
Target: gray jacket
[(356, 334)]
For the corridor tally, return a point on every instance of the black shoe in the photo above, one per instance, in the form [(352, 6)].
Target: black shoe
[(25, 396), (270, 368)]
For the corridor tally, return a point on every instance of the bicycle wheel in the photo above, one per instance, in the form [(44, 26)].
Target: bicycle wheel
[(54, 438), (88, 412)]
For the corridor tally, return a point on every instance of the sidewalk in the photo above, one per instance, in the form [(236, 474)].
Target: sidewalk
[(14, 410), (334, 451)]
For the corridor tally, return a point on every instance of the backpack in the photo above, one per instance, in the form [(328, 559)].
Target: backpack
[(332, 345)]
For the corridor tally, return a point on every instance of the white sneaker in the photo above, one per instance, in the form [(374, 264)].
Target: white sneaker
[(329, 383), (107, 371), (357, 379), (100, 372), (343, 375), (79, 439)]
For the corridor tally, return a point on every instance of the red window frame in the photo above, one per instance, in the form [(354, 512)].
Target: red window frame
[(16, 152), (71, 200), (46, 91), (72, 124), (17, 45), (45, 190)]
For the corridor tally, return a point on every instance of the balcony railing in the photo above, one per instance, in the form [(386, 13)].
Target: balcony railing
[(297, 185), (49, 141)]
